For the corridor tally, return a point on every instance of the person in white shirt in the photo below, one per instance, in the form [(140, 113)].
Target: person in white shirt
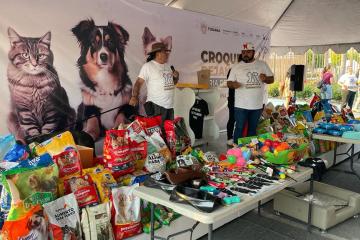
[(248, 78), (348, 83), (160, 81)]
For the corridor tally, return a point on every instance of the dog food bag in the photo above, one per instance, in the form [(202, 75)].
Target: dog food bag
[(84, 189), (68, 162), (57, 144), (158, 154), (126, 211), (150, 124), (30, 225), (96, 224), (104, 181), (64, 218), (33, 181)]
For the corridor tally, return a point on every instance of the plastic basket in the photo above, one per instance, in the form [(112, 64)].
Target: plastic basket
[(287, 156), (247, 140)]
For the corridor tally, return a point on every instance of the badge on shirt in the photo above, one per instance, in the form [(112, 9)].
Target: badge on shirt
[(253, 80)]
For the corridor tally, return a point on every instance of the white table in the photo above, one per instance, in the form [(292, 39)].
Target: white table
[(155, 196), (337, 140)]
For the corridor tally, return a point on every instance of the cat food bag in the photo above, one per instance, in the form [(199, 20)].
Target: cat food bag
[(30, 224), (33, 181), (126, 212), (57, 144), (177, 135), (68, 162), (139, 151), (95, 222), (158, 154), (104, 181), (6, 143), (150, 124), (64, 219), (84, 190)]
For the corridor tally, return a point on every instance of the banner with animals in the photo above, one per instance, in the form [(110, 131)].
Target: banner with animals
[(63, 61)]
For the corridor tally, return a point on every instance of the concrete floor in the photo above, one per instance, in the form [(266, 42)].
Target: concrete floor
[(273, 227)]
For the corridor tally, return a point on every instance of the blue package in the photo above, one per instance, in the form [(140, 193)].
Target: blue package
[(5, 200), (353, 121), (44, 160), (307, 115), (319, 130), (6, 143), (334, 132), (345, 128), (18, 152)]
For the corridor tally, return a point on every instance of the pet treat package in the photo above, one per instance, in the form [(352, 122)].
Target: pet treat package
[(96, 222), (117, 155), (33, 181), (57, 144), (30, 225), (68, 162), (177, 135), (150, 124), (64, 219), (126, 212), (84, 189), (104, 181), (158, 154)]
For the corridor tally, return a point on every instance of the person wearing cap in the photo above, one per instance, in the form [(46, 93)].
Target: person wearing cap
[(248, 78), (160, 82)]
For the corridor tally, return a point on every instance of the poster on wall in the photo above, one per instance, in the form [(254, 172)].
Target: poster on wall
[(61, 62)]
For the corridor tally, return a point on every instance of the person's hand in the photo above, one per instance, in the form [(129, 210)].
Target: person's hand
[(175, 74), (237, 85), (133, 101), (262, 77)]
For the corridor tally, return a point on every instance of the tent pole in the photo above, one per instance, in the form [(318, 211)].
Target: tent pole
[(277, 21), (171, 2)]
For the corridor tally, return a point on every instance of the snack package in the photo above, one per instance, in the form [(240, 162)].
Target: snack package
[(126, 212), (33, 181), (57, 144), (150, 124), (68, 162), (6, 143), (104, 181), (84, 190), (96, 224), (63, 217), (158, 154), (186, 161), (210, 157), (177, 135), (30, 224)]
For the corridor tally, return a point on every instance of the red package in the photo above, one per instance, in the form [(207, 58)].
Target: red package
[(150, 124), (84, 189), (119, 169), (177, 137), (68, 163)]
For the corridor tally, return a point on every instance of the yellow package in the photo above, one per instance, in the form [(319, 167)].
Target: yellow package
[(319, 115), (56, 144), (103, 179)]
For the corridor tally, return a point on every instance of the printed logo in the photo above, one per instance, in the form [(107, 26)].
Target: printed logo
[(168, 81), (253, 80)]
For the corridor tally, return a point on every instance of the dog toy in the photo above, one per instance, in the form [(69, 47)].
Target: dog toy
[(231, 200)]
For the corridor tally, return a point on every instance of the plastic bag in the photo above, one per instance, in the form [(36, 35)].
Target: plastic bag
[(126, 212), (64, 219), (95, 222)]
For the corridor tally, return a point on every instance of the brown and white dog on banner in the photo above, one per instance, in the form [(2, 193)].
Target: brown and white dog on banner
[(104, 76)]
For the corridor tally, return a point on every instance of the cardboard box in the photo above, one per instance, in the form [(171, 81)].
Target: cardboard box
[(86, 156), (203, 81)]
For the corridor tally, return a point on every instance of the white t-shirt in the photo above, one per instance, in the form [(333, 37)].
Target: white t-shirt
[(251, 94), (160, 84), (349, 81)]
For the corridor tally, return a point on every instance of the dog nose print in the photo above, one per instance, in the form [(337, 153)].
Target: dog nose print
[(103, 57)]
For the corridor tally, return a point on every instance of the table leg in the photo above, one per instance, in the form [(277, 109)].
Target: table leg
[(352, 161), (259, 207), (210, 232), (335, 153), (152, 221), (310, 204)]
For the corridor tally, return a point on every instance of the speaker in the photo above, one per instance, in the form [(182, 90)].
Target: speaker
[(297, 78)]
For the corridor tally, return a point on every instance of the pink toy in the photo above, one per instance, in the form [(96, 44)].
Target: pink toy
[(240, 161)]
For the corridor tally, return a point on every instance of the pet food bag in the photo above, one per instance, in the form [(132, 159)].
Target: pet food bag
[(17, 152), (84, 190), (126, 211), (68, 162), (33, 181), (150, 124), (117, 155), (64, 219), (96, 224), (30, 225), (57, 144), (177, 135), (104, 181), (158, 154), (6, 143)]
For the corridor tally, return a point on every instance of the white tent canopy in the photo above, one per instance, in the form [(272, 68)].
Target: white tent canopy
[(297, 25)]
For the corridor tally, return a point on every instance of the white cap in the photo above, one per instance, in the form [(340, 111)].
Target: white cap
[(247, 46)]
